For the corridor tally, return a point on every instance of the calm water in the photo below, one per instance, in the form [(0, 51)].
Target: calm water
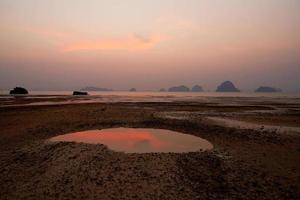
[(65, 97), (138, 140), (165, 94)]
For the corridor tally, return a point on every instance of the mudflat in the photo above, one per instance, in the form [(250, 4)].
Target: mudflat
[(245, 163)]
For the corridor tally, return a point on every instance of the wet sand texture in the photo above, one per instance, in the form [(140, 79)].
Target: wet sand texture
[(244, 164)]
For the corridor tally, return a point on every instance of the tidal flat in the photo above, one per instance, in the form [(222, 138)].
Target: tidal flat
[(245, 162)]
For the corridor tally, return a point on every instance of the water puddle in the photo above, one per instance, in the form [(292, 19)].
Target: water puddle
[(138, 140), (248, 125)]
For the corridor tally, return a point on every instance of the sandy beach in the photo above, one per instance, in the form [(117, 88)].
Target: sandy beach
[(245, 163)]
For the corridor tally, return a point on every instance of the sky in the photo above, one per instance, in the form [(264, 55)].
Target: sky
[(149, 44)]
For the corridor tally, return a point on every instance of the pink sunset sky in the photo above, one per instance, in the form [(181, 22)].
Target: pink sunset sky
[(149, 44)]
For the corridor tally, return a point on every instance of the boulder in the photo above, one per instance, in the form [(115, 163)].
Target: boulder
[(227, 86), (18, 90), (79, 93)]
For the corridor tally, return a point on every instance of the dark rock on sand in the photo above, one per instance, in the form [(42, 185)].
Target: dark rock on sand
[(267, 89), (79, 93), (132, 90), (227, 86), (197, 88), (180, 88), (18, 90), (95, 89)]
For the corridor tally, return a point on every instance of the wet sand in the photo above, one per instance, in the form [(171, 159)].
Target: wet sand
[(244, 164)]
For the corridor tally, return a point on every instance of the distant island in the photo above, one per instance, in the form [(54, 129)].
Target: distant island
[(18, 90), (132, 90), (267, 89), (227, 86), (95, 89), (180, 88), (162, 90), (197, 88)]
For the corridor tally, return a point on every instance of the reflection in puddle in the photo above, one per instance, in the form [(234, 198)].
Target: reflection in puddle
[(139, 140)]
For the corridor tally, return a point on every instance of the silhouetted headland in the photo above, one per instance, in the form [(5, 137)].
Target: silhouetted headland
[(79, 93), (162, 90), (227, 86), (180, 88), (197, 88), (18, 90), (267, 89), (95, 89), (132, 90)]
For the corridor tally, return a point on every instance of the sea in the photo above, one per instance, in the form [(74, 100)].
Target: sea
[(157, 93)]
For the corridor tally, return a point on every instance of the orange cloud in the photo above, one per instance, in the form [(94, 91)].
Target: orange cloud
[(135, 42)]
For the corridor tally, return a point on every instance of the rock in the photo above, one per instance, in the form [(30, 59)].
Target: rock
[(18, 90), (95, 89), (227, 86), (267, 89), (79, 93), (132, 90), (180, 88), (197, 88), (162, 90)]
